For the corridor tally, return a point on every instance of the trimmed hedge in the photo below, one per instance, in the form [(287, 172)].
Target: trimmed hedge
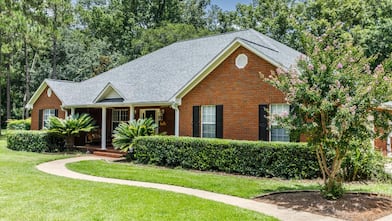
[(34, 141), (264, 159), (19, 124)]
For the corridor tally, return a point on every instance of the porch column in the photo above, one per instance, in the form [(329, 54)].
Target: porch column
[(72, 111), (176, 121), (103, 129), (131, 113)]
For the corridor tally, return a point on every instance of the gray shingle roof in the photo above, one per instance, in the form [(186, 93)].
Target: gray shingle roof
[(158, 76)]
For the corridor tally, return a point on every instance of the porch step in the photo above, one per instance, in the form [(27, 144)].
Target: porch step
[(108, 154)]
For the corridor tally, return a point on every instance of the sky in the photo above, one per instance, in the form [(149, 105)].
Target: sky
[(229, 5)]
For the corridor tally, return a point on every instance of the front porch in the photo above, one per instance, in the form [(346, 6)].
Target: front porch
[(108, 118)]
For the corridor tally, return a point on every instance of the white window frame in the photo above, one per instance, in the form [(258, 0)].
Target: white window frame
[(274, 125), (202, 123), (123, 116), (46, 114), (142, 115)]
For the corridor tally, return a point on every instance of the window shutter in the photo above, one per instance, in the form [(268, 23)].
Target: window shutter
[(263, 123), (56, 112), (219, 121), (40, 118), (196, 121)]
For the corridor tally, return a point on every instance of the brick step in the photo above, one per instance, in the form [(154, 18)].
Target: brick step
[(108, 154)]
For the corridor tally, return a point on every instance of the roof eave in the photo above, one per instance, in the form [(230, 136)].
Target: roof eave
[(225, 53)]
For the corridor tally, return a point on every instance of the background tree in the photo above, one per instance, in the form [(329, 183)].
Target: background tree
[(334, 94)]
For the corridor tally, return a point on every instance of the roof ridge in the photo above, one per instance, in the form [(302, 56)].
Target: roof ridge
[(264, 37), (211, 36), (263, 46), (59, 80)]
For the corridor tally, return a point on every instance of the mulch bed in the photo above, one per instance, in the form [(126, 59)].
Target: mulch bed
[(352, 206)]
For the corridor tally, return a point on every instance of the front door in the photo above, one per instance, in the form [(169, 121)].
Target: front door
[(150, 113)]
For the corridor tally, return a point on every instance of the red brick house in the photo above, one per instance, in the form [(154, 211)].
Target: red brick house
[(206, 87)]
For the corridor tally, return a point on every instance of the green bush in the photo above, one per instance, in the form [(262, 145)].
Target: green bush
[(264, 159), (19, 124), (363, 164), (34, 141)]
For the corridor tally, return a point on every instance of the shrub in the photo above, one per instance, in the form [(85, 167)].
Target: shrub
[(124, 133), (363, 164), (34, 141), (19, 124), (264, 159), (71, 127)]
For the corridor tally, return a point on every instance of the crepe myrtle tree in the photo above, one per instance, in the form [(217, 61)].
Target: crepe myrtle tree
[(335, 97)]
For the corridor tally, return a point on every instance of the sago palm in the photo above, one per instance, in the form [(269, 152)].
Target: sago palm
[(71, 126), (124, 134)]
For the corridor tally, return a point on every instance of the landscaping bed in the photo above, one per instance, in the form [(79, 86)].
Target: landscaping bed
[(352, 206)]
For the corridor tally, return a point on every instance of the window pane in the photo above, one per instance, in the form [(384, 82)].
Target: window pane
[(208, 121), (278, 133), (47, 113)]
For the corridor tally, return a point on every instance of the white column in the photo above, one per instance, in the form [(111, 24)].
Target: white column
[(72, 111), (131, 113), (177, 121), (103, 129)]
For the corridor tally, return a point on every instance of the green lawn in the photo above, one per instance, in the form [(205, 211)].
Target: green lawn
[(246, 187), (28, 194)]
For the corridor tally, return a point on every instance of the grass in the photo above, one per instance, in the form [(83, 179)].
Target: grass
[(241, 186), (28, 194)]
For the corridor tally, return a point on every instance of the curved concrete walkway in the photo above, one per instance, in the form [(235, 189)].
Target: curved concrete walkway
[(58, 168)]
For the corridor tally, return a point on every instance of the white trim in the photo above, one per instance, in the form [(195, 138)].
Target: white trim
[(176, 121), (103, 129), (201, 119), (108, 86), (37, 94), (221, 57), (131, 113), (116, 104)]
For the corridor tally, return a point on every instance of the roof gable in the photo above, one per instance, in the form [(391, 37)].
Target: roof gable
[(109, 94)]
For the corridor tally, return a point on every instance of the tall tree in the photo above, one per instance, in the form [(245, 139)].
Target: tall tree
[(335, 95), (61, 16)]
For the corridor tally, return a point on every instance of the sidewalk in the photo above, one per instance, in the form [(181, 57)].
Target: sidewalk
[(58, 168)]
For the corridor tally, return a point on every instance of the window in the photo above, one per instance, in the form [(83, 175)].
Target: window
[(208, 121), (47, 113), (118, 116), (278, 133)]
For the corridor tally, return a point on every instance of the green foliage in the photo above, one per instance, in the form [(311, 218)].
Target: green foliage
[(125, 133), (335, 94), (333, 190), (264, 159), (19, 124), (71, 126), (363, 163), (34, 141)]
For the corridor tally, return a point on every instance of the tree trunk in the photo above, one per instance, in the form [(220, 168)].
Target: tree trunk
[(54, 42), (9, 69), (1, 76), (27, 81), (69, 142)]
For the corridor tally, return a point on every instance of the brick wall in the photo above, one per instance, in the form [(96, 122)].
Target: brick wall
[(45, 102), (240, 91)]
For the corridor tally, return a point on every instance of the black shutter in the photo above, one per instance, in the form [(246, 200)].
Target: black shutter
[(263, 123), (196, 121), (219, 121), (40, 118), (56, 112)]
